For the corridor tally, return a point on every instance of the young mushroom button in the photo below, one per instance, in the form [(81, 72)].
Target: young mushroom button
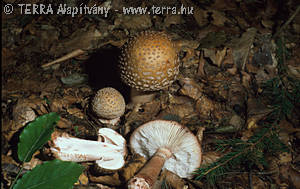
[(109, 105), (170, 146)]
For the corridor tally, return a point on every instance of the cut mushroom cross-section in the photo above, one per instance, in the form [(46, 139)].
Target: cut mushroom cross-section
[(170, 145), (108, 152)]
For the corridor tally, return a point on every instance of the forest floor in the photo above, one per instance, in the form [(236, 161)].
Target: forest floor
[(238, 89)]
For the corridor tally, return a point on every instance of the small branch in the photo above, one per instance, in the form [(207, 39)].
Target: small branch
[(287, 22), (238, 154), (68, 56)]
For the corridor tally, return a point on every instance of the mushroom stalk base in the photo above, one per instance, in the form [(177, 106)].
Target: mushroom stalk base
[(149, 173)]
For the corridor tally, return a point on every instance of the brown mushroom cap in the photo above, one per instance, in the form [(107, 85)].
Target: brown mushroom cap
[(149, 61), (108, 103), (162, 134)]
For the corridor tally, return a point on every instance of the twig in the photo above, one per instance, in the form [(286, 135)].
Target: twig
[(250, 179), (287, 22), (238, 154), (64, 58)]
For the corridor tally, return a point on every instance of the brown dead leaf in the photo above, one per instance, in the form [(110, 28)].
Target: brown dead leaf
[(241, 47), (84, 39), (173, 19), (47, 35), (295, 177), (289, 176), (236, 96), (132, 167), (112, 180), (190, 88), (82, 180), (172, 179), (219, 18), (206, 107), (220, 55), (142, 114), (285, 158), (256, 111), (101, 186), (258, 183), (246, 80), (223, 5), (201, 71), (8, 58), (199, 15), (286, 126), (200, 134), (24, 110), (185, 45), (218, 84), (63, 123), (32, 163), (76, 112), (134, 22), (190, 59), (184, 111), (210, 157)]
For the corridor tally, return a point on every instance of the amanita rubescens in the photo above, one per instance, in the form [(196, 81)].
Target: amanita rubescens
[(149, 62), (168, 145), (108, 152), (109, 105)]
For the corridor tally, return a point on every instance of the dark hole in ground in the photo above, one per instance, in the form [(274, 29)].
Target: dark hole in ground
[(102, 69)]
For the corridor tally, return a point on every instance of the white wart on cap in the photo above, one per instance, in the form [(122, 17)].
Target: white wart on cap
[(149, 61), (172, 144)]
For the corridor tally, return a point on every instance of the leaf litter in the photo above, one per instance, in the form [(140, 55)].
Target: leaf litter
[(227, 52)]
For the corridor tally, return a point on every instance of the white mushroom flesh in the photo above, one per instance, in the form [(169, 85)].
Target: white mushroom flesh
[(109, 152)]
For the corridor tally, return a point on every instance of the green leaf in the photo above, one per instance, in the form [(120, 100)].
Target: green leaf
[(51, 174), (35, 135)]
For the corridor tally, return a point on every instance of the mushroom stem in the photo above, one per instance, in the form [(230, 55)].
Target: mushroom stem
[(140, 97), (149, 173)]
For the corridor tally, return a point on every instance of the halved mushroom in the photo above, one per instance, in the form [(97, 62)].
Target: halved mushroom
[(169, 145), (108, 152)]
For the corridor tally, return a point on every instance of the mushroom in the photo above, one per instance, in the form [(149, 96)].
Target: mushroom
[(109, 105), (108, 152), (170, 145), (148, 62)]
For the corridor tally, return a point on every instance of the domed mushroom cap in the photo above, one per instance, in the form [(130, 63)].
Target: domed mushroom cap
[(163, 134), (108, 103), (149, 61)]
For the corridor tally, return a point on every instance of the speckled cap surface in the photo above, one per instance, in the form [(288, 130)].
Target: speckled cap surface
[(108, 103), (149, 61)]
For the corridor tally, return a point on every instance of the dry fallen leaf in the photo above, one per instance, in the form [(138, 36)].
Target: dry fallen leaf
[(210, 157), (241, 47), (84, 39), (172, 180), (190, 88), (82, 180), (199, 14), (112, 180), (172, 19), (64, 123), (134, 22), (132, 167)]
